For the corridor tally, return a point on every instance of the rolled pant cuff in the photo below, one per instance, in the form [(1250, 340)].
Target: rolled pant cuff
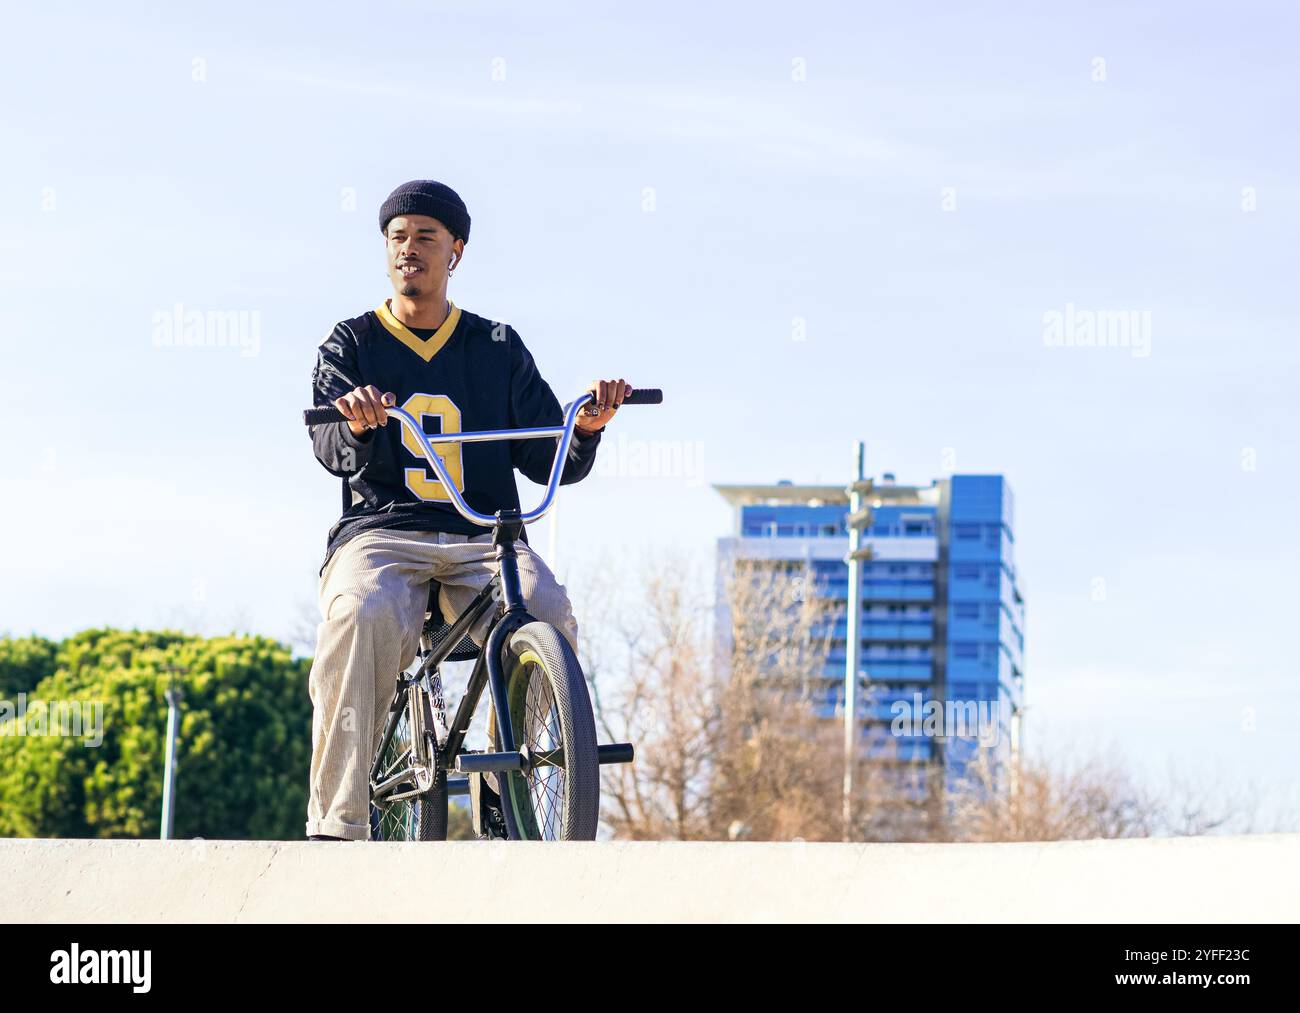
[(337, 828)]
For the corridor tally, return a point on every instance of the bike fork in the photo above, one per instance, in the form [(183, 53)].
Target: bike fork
[(508, 528)]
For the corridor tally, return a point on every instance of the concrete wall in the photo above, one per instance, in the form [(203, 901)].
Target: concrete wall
[(1210, 879)]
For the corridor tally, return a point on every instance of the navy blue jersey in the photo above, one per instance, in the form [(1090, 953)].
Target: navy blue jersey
[(470, 374)]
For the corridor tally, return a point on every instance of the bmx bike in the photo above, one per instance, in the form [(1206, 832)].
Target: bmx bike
[(541, 781)]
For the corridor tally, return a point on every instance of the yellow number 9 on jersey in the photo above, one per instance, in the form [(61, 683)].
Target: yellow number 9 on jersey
[(423, 481)]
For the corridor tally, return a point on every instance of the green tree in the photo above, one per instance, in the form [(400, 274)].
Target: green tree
[(24, 661), (242, 755)]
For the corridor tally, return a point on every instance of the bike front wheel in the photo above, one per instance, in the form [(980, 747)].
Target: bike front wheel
[(558, 797)]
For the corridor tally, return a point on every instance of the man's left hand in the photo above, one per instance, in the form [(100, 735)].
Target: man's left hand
[(607, 395)]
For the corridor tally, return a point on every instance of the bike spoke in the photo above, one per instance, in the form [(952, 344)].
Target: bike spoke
[(549, 758), (544, 739), (391, 768), (398, 821)]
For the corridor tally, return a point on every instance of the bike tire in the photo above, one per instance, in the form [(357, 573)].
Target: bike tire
[(420, 818), (431, 811), (537, 651)]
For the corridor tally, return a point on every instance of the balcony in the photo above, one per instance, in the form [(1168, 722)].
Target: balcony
[(885, 630), (894, 590)]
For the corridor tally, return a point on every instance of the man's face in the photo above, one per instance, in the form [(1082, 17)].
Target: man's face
[(420, 251)]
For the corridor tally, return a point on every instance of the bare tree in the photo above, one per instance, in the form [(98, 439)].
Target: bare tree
[(651, 681), (722, 705), (1046, 802), (777, 773), (1072, 798), (733, 716)]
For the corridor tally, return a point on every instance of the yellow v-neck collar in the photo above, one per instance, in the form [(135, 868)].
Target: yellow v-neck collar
[(425, 349)]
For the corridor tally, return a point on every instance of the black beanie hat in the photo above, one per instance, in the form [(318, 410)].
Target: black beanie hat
[(427, 197)]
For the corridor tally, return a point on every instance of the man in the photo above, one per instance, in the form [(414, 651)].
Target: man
[(399, 530)]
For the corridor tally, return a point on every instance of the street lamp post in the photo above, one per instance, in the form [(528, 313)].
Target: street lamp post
[(174, 695), (858, 519)]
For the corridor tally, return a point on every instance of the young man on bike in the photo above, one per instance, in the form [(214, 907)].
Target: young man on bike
[(462, 373)]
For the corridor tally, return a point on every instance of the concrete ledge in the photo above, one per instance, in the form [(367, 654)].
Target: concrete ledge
[(1207, 879)]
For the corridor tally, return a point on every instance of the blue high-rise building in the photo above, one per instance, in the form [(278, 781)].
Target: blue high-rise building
[(942, 623)]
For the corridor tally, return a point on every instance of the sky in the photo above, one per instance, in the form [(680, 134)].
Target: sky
[(809, 225)]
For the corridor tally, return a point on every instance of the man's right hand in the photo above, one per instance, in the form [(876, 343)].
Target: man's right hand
[(364, 408)]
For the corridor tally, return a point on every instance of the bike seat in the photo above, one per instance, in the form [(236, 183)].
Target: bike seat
[(436, 629)]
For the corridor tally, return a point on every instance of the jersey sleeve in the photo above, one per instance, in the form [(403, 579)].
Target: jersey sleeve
[(336, 374), (533, 403)]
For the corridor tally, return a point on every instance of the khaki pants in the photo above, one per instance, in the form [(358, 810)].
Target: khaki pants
[(373, 595)]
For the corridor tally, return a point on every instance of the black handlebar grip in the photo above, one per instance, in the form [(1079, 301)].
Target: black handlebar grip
[(319, 416), (647, 395)]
